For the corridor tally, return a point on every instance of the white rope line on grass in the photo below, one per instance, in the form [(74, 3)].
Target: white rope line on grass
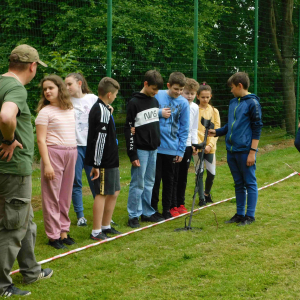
[(148, 226)]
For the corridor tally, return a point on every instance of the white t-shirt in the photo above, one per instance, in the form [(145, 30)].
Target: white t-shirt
[(82, 107), (193, 130)]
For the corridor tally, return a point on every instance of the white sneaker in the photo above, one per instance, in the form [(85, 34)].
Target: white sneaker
[(82, 221)]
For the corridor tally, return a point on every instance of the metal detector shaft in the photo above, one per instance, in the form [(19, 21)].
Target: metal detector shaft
[(207, 124), (200, 170)]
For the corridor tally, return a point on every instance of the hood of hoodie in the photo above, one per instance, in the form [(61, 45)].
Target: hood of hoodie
[(247, 97), (142, 96)]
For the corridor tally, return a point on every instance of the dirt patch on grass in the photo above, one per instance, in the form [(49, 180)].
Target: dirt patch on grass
[(36, 202)]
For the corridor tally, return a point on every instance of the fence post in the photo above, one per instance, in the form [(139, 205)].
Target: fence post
[(109, 37), (195, 54), (298, 75), (256, 47)]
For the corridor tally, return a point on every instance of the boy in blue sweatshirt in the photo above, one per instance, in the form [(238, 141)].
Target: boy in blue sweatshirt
[(242, 136), (174, 129)]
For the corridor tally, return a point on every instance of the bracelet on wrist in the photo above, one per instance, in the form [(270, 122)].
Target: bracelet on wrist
[(7, 142), (252, 149)]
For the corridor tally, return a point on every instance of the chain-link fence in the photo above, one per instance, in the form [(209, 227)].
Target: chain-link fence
[(73, 36)]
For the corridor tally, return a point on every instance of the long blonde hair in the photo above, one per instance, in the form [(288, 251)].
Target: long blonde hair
[(63, 94)]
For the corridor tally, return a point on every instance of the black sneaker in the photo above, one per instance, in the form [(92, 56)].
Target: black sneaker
[(153, 218), (111, 231), (235, 219), (167, 215), (68, 240), (12, 290), (202, 202), (159, 215), (101, 236), (133, 223), (246, 221), (57, 244), (45, 274), (208, 198)]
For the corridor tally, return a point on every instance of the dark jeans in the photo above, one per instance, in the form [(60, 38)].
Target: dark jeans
[(180, 178), (245, 183), (164, 171)]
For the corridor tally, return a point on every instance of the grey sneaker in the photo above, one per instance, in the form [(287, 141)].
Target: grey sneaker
[(82, 222), (12, 290), (101, 236), (45, 274)]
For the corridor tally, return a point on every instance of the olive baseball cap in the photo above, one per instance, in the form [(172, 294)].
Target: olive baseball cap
[(28, 54)]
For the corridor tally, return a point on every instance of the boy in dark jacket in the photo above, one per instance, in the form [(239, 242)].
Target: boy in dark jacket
[(242, 136), (102, 155), (142, 114)]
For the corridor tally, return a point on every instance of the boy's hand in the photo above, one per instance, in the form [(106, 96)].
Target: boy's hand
[(251, 159), (132, 129), (211, 132), (207, 149), (94, 173), (49, 172), (111, 108), (7, 151), (136, 163), (166, 112), (178, 159)]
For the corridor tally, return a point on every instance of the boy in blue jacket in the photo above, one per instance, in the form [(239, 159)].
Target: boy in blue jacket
[(242, 136), (174, 129)]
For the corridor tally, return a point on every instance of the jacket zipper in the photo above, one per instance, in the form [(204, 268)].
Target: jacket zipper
[(233, 124)]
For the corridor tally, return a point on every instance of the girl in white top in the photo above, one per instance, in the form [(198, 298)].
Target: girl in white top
[(55, 129), (82, 100), (181, 170)]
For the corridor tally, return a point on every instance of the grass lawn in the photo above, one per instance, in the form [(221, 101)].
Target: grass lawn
[(260, 261)]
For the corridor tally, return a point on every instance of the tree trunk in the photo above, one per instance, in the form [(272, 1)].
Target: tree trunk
[(284, 57), (287, 74)]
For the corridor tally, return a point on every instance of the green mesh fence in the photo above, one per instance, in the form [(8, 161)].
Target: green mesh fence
[(72, 36)]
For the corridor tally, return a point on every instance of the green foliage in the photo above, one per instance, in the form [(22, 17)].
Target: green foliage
[(63, 64), (72, 36)]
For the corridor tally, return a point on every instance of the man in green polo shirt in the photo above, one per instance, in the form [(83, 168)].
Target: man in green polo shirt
[(17, 230)]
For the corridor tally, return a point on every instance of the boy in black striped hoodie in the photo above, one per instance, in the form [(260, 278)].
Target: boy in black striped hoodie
[(142, 114), (102, 154)]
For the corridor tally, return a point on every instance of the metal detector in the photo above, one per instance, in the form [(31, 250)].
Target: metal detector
[(207, 125)]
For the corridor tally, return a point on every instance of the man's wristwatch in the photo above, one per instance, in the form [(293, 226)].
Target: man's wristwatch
[(254, 149), (6, 142)]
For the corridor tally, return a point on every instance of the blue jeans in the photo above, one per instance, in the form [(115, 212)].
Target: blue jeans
[(245, 180), (141, 185), (77, 186)]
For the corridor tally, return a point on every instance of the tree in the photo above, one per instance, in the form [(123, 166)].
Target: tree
[(280, 16)]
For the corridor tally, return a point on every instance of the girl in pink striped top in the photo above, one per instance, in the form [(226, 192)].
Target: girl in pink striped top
[(55, 130)]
